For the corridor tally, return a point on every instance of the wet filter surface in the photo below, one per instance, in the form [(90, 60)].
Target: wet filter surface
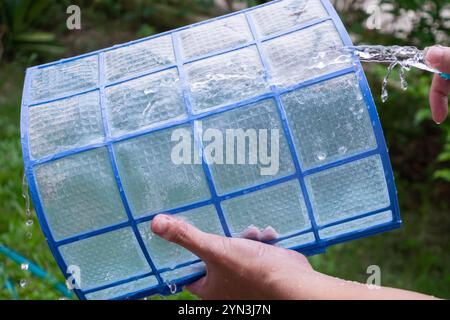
[(96, 134)]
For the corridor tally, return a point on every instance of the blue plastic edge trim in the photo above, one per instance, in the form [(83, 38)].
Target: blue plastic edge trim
[(309, 249), (33, 185)]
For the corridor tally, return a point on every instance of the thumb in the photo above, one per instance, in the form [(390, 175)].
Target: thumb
[(182, 233), (438, 57)]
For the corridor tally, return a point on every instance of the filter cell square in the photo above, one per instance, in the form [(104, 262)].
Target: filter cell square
[(225, 79), (63, 79), (79, 193), (293, 57), (145, 102), (221, 34), (152, 181), (271, 157), (105, 258), (348, 190), (329, 121), (281, 207), (141, 57), (285, 15), (65, 124)]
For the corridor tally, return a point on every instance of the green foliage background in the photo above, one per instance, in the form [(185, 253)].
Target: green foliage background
[(415, 257)]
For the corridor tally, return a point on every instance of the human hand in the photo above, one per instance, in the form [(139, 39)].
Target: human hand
[(236, 268), (246, 269), (438, 58)]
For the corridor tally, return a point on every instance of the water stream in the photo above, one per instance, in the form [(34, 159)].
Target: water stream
[(404, 57), (28, 223)]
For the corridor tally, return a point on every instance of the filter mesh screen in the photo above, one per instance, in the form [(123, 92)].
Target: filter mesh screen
[(97, 137)]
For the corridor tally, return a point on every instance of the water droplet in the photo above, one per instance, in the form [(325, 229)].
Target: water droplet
[(321, 156), (29, 235), (29, 223), (23, 283), (342, 150), (320, 65), (24, 266), (172, 287)]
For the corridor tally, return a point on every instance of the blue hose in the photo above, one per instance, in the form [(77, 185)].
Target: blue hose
[(35, 270), (8, 285), (12, 290)]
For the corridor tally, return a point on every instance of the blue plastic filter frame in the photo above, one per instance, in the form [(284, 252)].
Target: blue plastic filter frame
[(161, 287)]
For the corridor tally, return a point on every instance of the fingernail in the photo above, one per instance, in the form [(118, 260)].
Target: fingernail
[(160, 224), (433, 55)]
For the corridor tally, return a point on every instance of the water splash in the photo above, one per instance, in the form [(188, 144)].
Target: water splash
[(404, 57), (384, 91)]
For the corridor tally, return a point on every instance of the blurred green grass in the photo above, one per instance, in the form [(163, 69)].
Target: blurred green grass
[(415, 257)]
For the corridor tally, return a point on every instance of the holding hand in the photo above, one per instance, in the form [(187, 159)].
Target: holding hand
[(247, 269)]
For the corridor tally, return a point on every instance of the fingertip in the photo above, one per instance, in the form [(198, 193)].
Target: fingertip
[(438, 57), (268, 234), (251, 233), (433, 55), (439, 117), (160, 224)]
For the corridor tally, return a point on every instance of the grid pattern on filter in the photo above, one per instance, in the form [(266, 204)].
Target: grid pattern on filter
[(197, 139), (274, 93), (115, 169), (286, 129)]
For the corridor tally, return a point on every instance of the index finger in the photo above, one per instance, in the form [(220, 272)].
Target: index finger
[(202, 244)]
